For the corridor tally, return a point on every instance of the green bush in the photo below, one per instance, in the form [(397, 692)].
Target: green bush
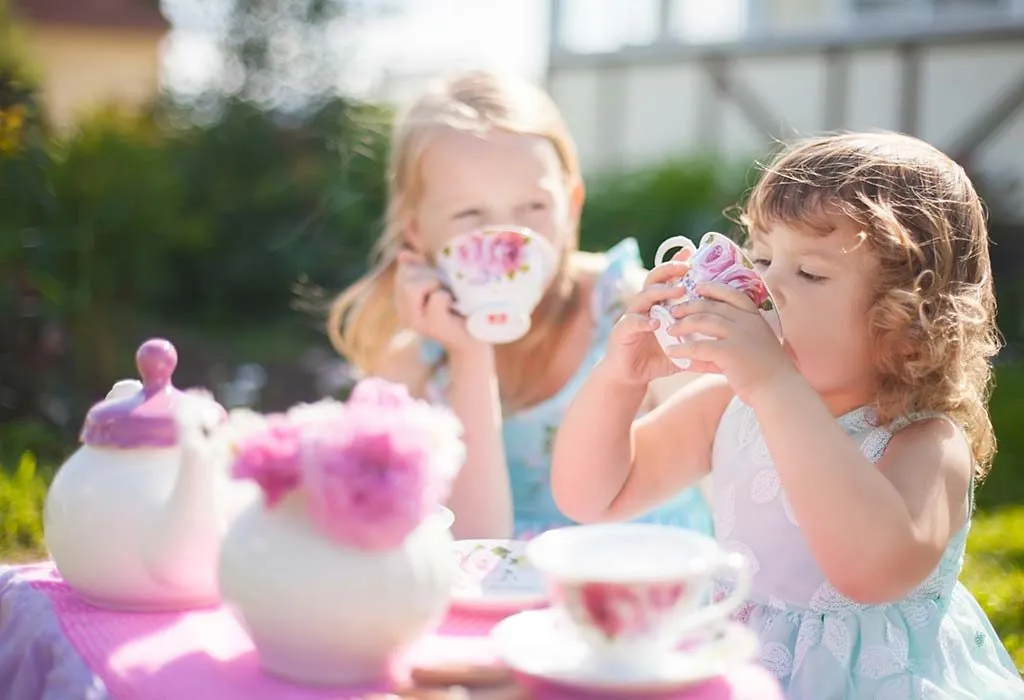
[(681, 197), (22, 494)]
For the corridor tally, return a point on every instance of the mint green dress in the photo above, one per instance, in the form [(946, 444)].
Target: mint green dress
[(529, 434), (934, 644)]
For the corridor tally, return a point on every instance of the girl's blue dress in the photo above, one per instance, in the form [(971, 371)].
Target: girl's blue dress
[(934, 644), (529, 434)]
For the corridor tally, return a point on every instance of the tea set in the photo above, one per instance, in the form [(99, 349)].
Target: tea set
[(146, 517)]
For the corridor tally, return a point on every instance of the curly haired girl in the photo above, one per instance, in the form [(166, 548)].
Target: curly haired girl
[(844, 459)]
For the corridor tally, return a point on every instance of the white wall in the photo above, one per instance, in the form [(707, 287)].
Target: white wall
[(639, 114)]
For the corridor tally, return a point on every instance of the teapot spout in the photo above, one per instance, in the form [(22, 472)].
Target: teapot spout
[(185, 540)]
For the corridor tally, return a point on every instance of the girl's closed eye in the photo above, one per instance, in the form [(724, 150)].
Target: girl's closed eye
[(811, 277), (467, 214), (761, 264)]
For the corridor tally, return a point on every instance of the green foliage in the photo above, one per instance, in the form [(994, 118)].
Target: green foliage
[(276, 203), (22, 494), (994, 573), (681, 197)]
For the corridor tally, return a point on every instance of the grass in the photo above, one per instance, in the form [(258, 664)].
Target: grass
[(993, 570)]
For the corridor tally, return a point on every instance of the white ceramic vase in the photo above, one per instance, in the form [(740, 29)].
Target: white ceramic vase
[(322, 613)]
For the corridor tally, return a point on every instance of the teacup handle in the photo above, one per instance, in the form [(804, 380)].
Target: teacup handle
[(737, 564), (671, 244)]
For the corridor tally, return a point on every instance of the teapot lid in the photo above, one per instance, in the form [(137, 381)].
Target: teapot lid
[(144, 418)]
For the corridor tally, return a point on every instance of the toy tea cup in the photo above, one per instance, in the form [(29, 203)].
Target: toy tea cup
[(717, 259), (498, 275), (634, 591)]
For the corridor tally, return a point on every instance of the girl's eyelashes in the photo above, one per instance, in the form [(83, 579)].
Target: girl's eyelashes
[(467, 214), (762, 263), (537, 206), (811, 278)]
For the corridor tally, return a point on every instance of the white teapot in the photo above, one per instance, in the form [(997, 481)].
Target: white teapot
[(134, 519)]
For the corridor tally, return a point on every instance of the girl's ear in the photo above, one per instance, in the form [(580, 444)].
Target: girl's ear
[(577, 194), (411, 236)]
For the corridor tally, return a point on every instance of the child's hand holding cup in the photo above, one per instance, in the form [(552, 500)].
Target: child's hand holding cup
[(716, 259)]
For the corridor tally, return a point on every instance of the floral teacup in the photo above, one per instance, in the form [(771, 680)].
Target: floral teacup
[(635, 591), (498, 275), (717, 259)]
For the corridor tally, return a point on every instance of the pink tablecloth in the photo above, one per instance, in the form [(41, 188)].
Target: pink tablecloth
[(93, 653)]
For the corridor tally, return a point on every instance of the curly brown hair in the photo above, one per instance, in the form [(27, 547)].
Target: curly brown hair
[(933, 312)]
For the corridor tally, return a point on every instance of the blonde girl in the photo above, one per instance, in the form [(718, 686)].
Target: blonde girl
[(476, 150), (845, 458)]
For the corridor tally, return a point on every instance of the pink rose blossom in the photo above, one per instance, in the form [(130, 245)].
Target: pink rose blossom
[(374, 391), (368, 482), (506, 254), (745, 280), (372, 469), (485, 257), (270, 457), (716, 258)]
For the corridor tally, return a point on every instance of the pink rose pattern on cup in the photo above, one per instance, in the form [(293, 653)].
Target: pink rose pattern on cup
[(619, 611), (722, 261), (714, 259), (490, 255)]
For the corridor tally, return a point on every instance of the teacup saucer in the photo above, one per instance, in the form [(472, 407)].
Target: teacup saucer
[(541, 645), (495, 576)]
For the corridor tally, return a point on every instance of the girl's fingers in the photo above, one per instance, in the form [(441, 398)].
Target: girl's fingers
[(635, 323), (717, 291), (707, 324), (666, 272), (407, 256), (655, 294), (438, 307), (702, 354)]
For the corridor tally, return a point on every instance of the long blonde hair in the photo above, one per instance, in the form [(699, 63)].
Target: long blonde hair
[(933, 313), (363, 319)]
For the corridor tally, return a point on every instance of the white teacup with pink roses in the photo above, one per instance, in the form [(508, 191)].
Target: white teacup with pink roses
[(716, 259), (497, 275)]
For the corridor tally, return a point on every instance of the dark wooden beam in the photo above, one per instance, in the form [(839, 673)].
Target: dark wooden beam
[(910, 89), (733, 90), (940, 33), (835, 94), (978, 132)]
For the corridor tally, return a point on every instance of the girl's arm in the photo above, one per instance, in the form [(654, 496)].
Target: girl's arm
[(876, 531), (606, 466), (481, 496)]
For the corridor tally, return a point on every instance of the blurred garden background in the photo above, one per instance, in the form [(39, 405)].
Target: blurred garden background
[(223, 212)]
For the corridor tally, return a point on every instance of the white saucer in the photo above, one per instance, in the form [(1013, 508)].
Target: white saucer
[(540, 644), (494, 575)]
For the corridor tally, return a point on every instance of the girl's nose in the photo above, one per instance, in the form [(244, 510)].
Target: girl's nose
[(772, 280)]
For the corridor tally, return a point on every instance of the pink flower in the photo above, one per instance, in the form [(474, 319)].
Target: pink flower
[(506, 252), (615, 609), (716, 258), (485, 257), (270, 456), (745, 280), (374, 391), (368, 480), (372, 469), (470, 250)]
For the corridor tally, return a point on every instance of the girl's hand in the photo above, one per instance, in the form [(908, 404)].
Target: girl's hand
[(634, 355), (427, 307), (741, 344)]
